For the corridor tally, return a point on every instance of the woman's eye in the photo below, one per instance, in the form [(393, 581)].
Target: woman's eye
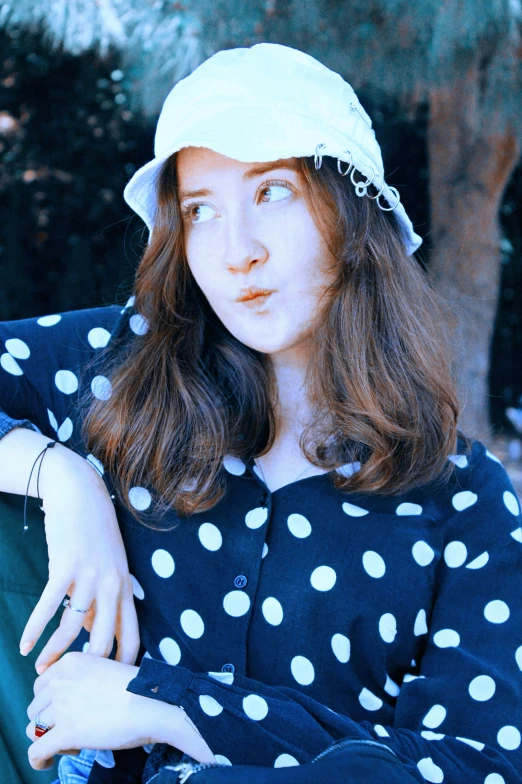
[(277, 190)]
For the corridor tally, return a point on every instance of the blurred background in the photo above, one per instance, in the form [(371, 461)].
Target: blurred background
[(81, 87)]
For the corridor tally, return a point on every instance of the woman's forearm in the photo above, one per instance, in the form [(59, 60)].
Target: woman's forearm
[(19, 449)]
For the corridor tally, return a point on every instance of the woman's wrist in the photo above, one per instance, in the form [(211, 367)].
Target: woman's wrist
[(172, 725)]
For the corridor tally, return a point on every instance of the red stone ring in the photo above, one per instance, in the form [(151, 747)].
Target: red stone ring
[(39, 728)]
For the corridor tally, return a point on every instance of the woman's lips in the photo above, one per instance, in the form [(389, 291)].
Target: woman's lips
[(256, 302)]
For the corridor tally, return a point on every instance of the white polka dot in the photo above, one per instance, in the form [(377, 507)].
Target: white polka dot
[(148, 747), (482, 688), (354, 511), (517, 534), (479, 561), (381, 731), (496, 611), (256, 517), (299, 526), (105, 758), (48, 321), (272, 611), (52, 420), (170, 650), (369, 700), (66, 381), (446, 638), (210, 536), (234, 465), (130, 302), (455, 554), (390, 687), (509, 500), (147, 655), (420, 626), (387, 627), (509, 737), (223, 677), (137, 590), (323, 578), (96, 463), (411, 677), (209, 705), (518, 657), (463, 499), (140, 498), (475, 743), (222, 759), (10, 365), (85, 647), (422, 553), (98, 337), (494, 778), (430, 771), (341, 648), (163, 563), (236, 603), (17, 348), (255, 707), (435, 716), (407, 508), (460, 460), (192, 624), (65, 430), (138, 324), (348, 469), (265, 550), (302, 670), (493, 457), (101, 387), (285, 761), (429, 735), (373, 564)]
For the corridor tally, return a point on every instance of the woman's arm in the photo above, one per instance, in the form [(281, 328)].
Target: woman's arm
[(41, 376)]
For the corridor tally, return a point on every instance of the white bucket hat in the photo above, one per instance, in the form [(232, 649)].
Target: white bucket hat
[(263, 103)]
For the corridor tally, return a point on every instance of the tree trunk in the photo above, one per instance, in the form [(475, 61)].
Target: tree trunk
[(471, 154)]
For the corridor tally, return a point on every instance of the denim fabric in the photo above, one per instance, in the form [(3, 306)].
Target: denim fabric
[(76, 769)]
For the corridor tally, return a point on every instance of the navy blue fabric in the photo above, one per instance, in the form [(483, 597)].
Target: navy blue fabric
[(283, 621)]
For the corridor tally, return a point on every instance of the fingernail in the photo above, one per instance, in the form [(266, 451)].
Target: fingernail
[(41, 668), (25, 648)]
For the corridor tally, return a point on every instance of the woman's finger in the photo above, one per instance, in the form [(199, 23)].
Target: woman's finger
[(45, 716), (70, 626), (41, 700), (45, 609), (127, 633), (101, 640)]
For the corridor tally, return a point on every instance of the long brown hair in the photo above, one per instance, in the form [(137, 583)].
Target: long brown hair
[(187, 393)]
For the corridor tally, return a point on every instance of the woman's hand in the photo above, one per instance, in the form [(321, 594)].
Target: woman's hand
[(84, 699), (87, 561)]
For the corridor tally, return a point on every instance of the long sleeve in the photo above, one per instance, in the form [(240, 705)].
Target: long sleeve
[(40, 368), (458, 714)]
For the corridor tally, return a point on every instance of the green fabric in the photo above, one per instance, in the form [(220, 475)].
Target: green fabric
[(23, 576)]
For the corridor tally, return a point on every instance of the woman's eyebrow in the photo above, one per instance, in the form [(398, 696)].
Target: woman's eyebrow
[(249, 174)]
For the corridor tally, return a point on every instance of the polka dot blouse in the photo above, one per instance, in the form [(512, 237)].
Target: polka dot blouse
[(283, 621)]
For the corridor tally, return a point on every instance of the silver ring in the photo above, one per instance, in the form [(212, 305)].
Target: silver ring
[(383, 187), (389, 209), (318, 156), (38, 723), (369, 180), (67, 603), (343, 174)]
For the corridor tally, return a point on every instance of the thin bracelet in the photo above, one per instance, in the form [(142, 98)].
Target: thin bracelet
[(49, 446)]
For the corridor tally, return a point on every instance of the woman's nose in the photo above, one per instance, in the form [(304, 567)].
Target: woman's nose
[(242, 245)]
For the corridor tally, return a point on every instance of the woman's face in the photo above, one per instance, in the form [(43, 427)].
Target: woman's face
[(253, 228)]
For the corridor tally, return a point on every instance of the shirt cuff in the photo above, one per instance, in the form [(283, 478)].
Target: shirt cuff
[(161, 681)]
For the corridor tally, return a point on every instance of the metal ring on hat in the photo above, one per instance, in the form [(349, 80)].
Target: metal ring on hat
[(380, 192), (389, 209), (318, 155), (343, 174), (362, 184)]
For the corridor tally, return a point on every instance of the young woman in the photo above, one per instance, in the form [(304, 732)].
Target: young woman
[(316, 551)]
